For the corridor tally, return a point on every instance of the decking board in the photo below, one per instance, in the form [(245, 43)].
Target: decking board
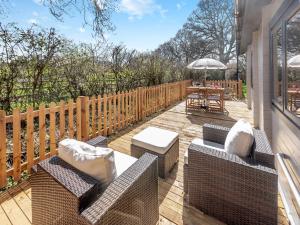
[(15, 205)]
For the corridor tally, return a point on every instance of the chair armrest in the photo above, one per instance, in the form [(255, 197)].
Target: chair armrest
[(229, 168), (263, 153), (215, 133), (138, 184), (99, 141), (82, 186)]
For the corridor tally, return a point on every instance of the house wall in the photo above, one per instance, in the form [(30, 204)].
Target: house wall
[(283, 135), (261, 94), (248, 77)]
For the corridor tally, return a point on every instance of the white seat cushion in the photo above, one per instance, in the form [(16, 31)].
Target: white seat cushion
[(123, 162), (95, 161), (155, 139), (208, 144), (240, 139)]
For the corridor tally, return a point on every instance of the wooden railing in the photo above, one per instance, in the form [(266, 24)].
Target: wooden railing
[(26, 138), (233, 87)]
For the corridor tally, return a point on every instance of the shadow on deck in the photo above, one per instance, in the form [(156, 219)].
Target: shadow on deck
[(16, 203)]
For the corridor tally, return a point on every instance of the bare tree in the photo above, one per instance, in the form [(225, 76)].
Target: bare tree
[(95, 13), (191, 46), (39, 47), (10, 64), (99, 10), (213, 21), (120, 60)]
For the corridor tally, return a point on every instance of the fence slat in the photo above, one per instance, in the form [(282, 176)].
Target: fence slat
[(126, 109), (109, 114), (52, 129), (99, 116), (30, 139), (16, 144), (93, 116), (3, 148), (119, 111), (115, 113), (136, 106), (123, 109), (105, 115), (62, 122), (71, 118), (129, 107), (42, 131), (85, 117), (78, 119)]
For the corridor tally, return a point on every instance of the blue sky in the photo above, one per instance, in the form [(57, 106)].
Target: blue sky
[(140, 24)]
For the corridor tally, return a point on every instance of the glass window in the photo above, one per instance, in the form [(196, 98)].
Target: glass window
[(293, 65), (277, 66)]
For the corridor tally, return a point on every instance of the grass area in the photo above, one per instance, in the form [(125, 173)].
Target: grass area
[(244, 90), (11, 183)]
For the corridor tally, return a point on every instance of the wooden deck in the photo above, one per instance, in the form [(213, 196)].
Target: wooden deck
[(16, 203)]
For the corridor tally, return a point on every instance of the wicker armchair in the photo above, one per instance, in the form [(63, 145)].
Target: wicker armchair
[(227, 187), (63, 195)]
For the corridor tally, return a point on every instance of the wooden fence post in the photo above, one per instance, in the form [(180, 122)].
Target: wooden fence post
[(165, 98), (62, 120), (52, 129), (109, 114), (30, 139), (78, 119), (42, 131), (105, 115), (180, 90), (240, 86), (136, 105), (93, 121), (16, 144), (99, 115), (2, 149), (139, 103), (84, 117), (71, 118)]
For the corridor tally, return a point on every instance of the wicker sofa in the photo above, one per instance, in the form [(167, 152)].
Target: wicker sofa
[(63, 195), (229, 188)]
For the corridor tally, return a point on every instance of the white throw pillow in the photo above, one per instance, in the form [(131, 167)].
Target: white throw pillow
[(239, 139), (95, 161)]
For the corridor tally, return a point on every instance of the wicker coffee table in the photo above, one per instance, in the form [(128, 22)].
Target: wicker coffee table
[(159, 142)]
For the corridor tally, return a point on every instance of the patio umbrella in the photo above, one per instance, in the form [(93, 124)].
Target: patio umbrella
[(294, 62), (206, 64)]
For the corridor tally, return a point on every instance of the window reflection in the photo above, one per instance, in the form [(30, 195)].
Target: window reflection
[(277, 66), (293, 64)]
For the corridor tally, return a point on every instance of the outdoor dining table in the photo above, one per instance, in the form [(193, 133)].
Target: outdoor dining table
[(205, 98)]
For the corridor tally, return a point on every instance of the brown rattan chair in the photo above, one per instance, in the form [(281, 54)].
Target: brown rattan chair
[(63, 195), (229, 188)]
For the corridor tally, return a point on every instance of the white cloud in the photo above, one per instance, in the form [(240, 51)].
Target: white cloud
[(81, 29), (178, 6), (32, 21), (35, 14), (39, 2), (163, 12), (139, 8)]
